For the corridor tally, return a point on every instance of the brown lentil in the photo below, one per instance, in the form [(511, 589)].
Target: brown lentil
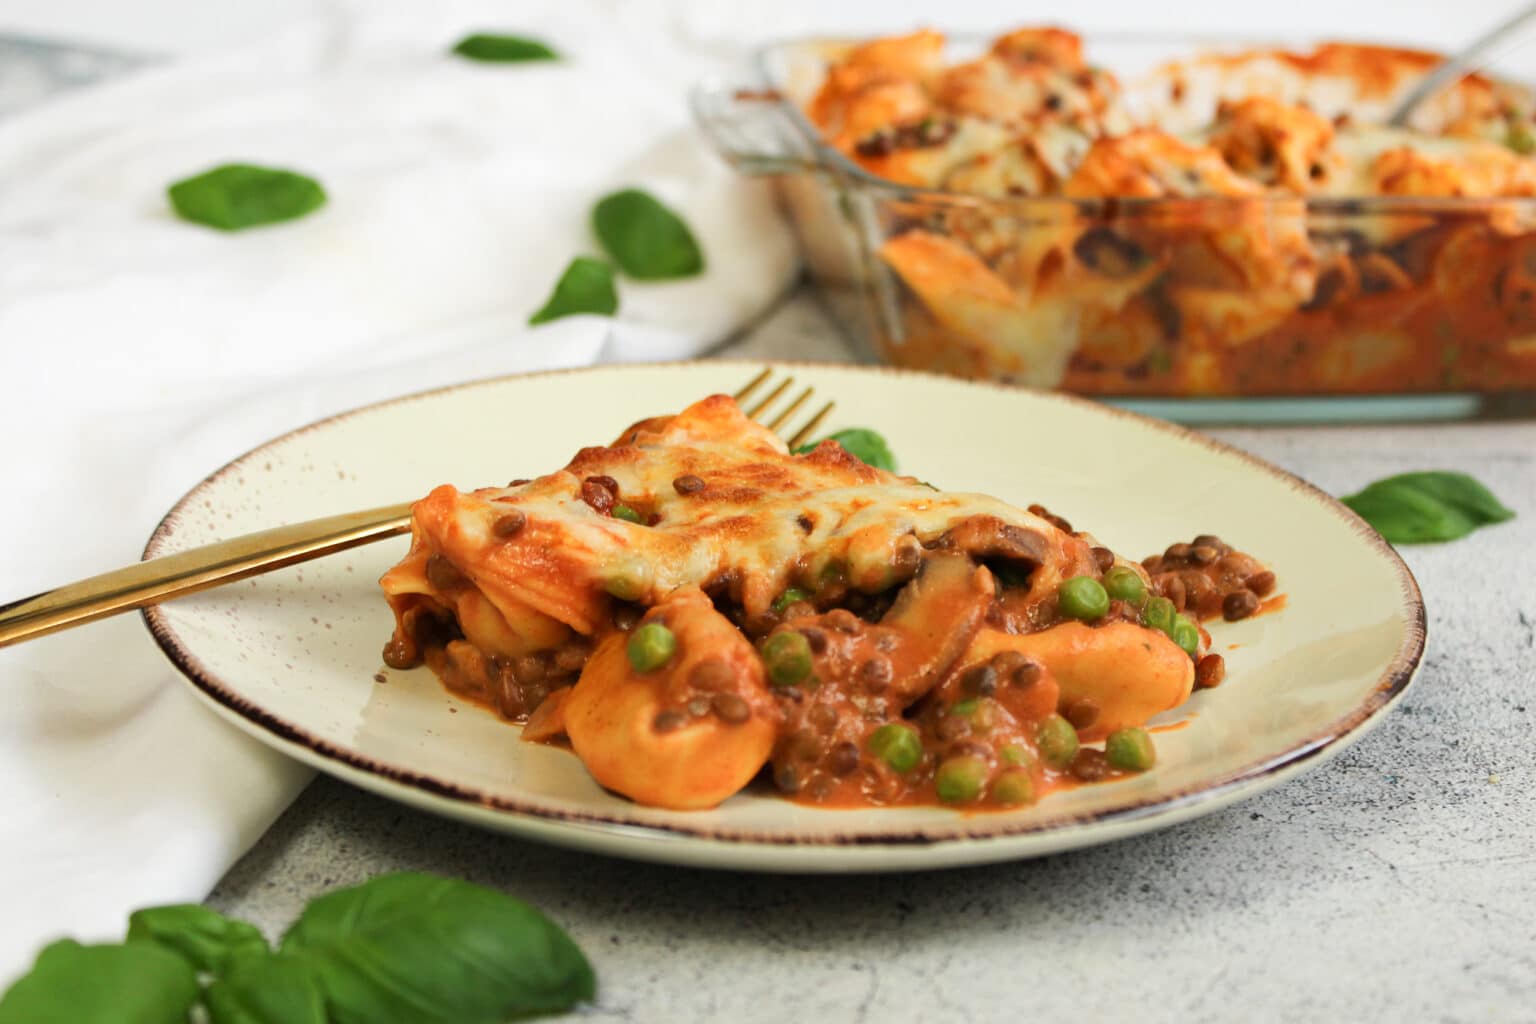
[(1006, 662), (1261, 583), (979, 681), (1202, 554), (600, 492), (1210, 540), (731, 708), (510, 524), (787, 778), (844, 759), (876, 672), (815, 638), (844, 621), (443, 574), (968, 748), (952, 727), (1103, 558), (823, 717), (1051, 517), (1028, 674), (519, 481), (1239, 605), (1173, 589), (688, 483), (712, 675), (1082, 713), (1176, 552), (398, 653), (907, 558), (1210, 673), (669, 721), (1200, 593)]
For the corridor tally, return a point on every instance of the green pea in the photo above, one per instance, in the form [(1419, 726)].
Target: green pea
[(964, 708), (1186, 634), (1057, 741), (898, 745), (651, 646), (1521, 139), (1017, 754), (1159, 614), (960, 779), (1125, 584), (1130, 750), (1013, 787), (787, 657), (629, 579), (789, 597), (1082, 597), (627, 514)]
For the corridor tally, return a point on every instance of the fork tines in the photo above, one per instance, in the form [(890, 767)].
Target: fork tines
[(762, 407)]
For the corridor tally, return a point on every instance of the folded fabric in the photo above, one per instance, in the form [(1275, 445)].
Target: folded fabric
[(141, 352)]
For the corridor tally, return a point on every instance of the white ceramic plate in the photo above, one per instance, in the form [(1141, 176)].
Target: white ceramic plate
[(292, 657)]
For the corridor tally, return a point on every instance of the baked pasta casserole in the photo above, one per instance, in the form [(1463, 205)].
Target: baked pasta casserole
[(1237, 223)]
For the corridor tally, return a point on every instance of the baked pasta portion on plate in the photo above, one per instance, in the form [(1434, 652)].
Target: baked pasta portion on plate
[(694, 605)]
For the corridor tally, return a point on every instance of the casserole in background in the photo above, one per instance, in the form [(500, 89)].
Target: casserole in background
[(1258, 292)]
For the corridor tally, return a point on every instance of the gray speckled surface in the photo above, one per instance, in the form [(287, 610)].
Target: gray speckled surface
[(1397, 882), (1394, 883)]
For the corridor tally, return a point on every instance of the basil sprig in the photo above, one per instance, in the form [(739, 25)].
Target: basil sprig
[(502, 49), (646, 239), (130, 983), (585, 287), (400, 949), (866, 445), (1426, 507), (238, 196)]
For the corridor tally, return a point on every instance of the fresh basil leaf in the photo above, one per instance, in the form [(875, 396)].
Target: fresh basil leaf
[(1422, 508), (132, 983), (502, 49), (585, 287), (238, 196), (205, 938), (415, 949), (271, 989), (646, 239), (863, 444)]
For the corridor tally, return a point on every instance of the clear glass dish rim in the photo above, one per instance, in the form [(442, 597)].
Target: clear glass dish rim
[(1108, 207)]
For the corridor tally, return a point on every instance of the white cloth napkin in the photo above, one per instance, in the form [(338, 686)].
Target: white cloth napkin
[(138, 353)]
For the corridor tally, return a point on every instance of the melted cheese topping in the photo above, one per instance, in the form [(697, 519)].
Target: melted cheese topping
[(763, 518)]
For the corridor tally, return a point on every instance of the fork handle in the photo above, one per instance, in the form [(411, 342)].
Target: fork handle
[(186, 572)]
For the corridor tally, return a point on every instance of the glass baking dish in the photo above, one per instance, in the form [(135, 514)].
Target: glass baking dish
[(1189, 307)]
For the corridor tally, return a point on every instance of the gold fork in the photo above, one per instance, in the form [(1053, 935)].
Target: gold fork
[(187, 572)]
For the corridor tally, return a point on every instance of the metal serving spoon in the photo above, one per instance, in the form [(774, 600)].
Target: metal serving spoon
[(1469, 61)]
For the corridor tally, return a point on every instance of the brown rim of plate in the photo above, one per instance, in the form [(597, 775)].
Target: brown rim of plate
[(1393, 682)]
